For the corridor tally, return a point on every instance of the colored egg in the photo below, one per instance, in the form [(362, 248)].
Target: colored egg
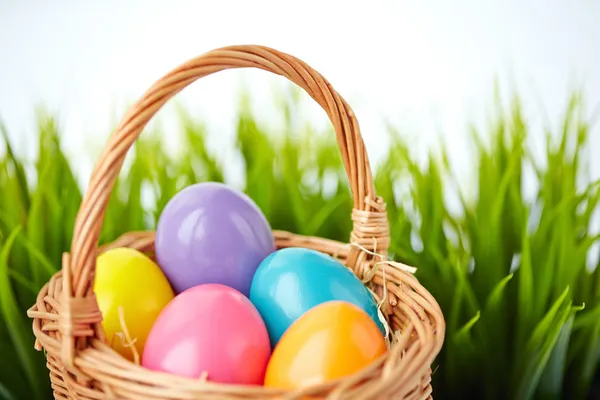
[(210, 329), (211, 233), (333, 340), (131, 291), (291, 281)]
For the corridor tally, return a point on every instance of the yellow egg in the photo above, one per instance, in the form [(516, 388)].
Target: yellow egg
[(130, 288)]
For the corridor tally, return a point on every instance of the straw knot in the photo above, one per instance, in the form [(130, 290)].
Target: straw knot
[(79, 315), (371, 228)]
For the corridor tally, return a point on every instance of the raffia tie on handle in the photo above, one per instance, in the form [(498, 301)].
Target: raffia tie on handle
[(79, 314), (370, 234), (371, 228)]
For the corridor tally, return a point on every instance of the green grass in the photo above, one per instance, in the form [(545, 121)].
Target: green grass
[(522, 309)]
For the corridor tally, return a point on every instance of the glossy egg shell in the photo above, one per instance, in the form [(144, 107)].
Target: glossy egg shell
[(291, 281), (128, 279), (212, 233), (210, 328), (333, 340)]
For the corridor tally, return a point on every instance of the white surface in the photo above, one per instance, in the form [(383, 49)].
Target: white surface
[(428, 66)]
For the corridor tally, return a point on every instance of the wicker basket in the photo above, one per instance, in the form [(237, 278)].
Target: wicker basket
[(67, 322)]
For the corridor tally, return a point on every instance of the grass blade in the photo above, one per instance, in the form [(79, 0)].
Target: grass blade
[(540, 346), (20, 335), (551, 382)]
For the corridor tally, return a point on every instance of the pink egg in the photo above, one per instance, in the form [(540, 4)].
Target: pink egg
[(212, 329)]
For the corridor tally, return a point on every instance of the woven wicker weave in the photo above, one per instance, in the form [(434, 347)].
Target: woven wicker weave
[(67, 322)]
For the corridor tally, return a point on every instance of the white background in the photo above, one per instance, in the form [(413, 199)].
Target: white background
[(428, 66)]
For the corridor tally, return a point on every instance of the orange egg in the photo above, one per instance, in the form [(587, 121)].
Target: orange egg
[(330, 341)]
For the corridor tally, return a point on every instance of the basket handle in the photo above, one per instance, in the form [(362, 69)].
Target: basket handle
[(370, 229)]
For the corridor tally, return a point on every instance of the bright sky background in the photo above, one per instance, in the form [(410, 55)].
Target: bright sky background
[(428, 66)]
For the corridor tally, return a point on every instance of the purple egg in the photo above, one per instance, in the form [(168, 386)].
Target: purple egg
[(211, 233)]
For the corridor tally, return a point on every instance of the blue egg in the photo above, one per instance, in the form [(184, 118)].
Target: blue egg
[(291, 281)]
